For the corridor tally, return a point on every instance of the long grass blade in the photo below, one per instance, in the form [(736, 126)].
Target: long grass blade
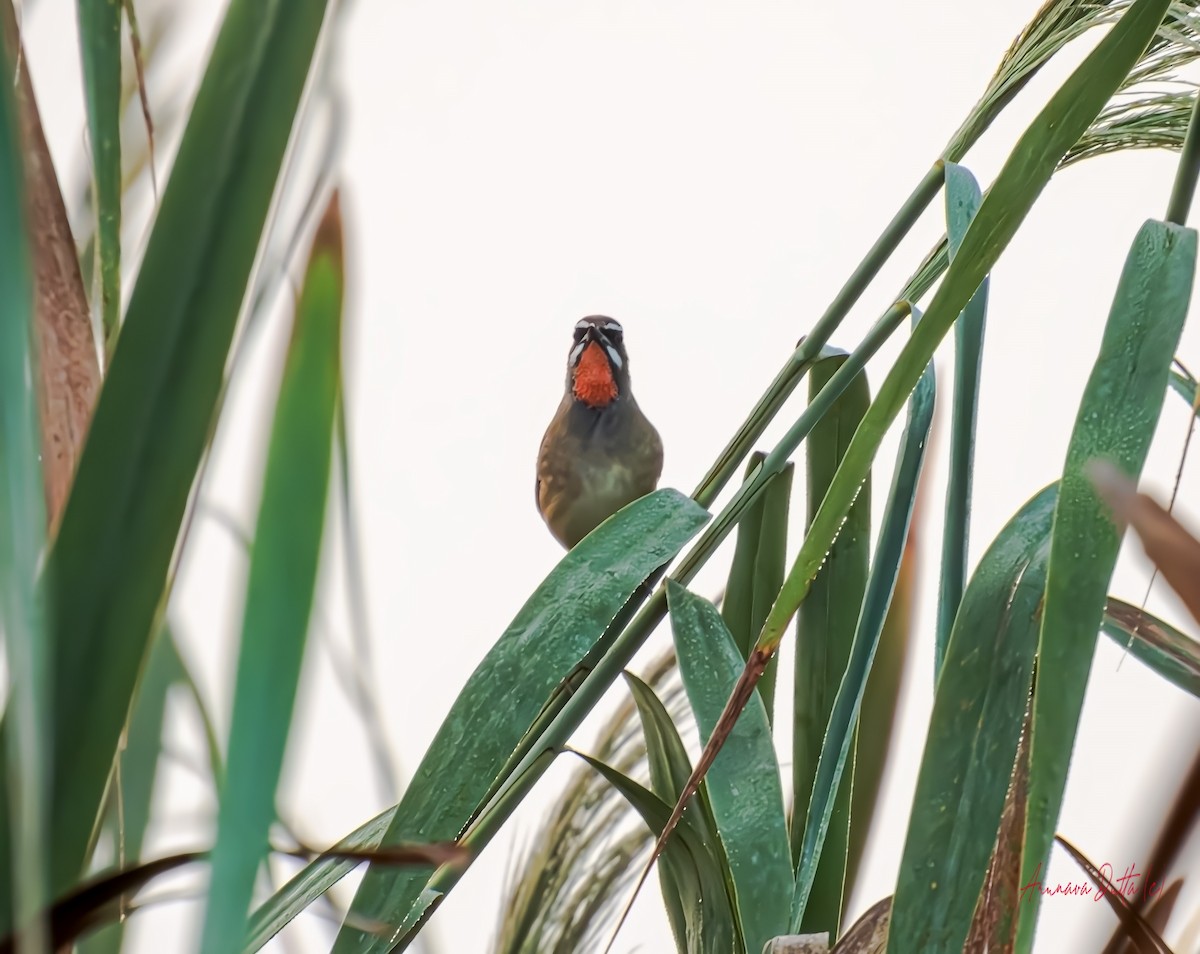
[(978, 710), (22, 544), (831, 776), (692, 868), (1115, 422), (759, 563), (669, 766), (556, 629), (100, 50), (111, 561), (963, 197), (280, 590), (127, 815), (824, 634), (743, 785), (1165, 649), (578, 861)]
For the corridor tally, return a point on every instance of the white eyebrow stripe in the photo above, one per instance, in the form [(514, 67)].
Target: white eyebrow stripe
[(613, 326), (612, 353), (577, 351), (583, 323)]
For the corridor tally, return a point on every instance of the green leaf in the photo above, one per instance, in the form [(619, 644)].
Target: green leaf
[(758, 567), (284, 561), (820, 873), (1116, 420), (670, 767), (155, 413), (978, 710), (128, 813), (100, 49), (743, 784), (667, 757), (1025, 173), (1170, 653), (559, 625), (824, 631), (963, 197), (274, 914), (22, 543), (709, 927)]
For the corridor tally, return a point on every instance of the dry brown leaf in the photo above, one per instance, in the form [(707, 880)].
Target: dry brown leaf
[(1174, 551), (869, 935), (69, 369)]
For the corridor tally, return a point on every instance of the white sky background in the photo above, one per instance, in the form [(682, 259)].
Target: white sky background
[(709, 174)]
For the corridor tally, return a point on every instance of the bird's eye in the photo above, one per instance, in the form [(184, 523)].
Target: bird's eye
[(615, 335), (579, 333)]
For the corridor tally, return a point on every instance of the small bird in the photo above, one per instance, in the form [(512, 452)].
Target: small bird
[(599, 452)]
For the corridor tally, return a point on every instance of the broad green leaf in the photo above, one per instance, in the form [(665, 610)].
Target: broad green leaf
[(1116, 420), (963, 197), (758, 568), (558, 626), (1159, 645), (284, 561), (1025, 173), (743, 784), (830, 786), (22, 544), (824, 631), (111, 559), (978, 709), (670, 767), (709, 927), (100, 49)]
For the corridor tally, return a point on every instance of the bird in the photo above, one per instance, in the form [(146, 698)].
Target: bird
[(599, 452)]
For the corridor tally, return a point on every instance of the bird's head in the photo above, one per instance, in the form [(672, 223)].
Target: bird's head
[(598, 367)]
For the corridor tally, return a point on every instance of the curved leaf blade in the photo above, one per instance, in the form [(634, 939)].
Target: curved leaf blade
[(963, 197), (758, 567), (111, 560), (1116, 420), (743, 784), (978, 709), (825, 628), (831, 780), (1162, 647), (280, 590), (559, 625), (687, 864)]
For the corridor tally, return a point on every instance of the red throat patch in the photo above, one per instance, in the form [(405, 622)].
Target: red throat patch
[(595, 385)]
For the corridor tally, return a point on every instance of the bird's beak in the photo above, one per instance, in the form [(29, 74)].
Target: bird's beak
[(595, 335)]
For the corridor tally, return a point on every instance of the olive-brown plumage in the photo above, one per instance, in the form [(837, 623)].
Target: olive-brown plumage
[(599, 453)]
